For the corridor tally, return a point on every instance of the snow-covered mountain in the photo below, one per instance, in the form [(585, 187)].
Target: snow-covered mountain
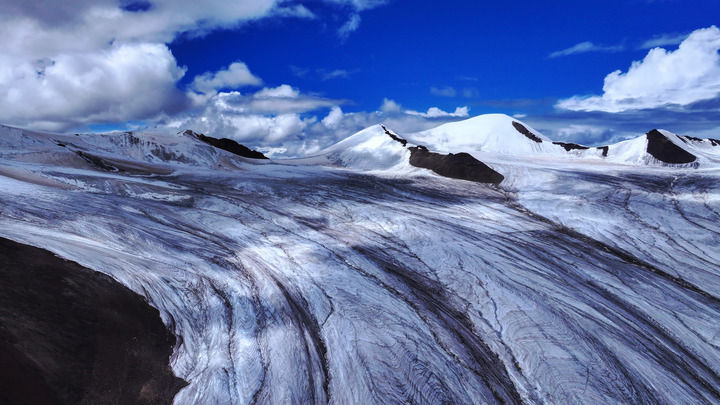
[(372, 273)]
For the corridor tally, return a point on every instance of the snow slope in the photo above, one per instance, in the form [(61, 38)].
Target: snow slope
[(577, 280), (369, 149), (489, 133)]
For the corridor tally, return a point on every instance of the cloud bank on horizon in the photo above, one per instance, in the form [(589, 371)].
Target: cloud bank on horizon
[(69, 66)]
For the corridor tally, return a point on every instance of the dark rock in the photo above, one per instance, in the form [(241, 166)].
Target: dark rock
[(228, 145), (97, 161), (664, 150), (394, 137), (691, 138), (521, 128), (714, 142), (70, 335), (604, 149), (457, 166), (568, 146)]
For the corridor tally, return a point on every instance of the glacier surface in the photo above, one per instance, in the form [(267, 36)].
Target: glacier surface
[(354, 278)]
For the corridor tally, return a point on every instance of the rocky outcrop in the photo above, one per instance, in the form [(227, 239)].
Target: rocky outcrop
[(228, 145), (457, 166), (568, 146), (394, 136), (70, 335), (662, 149), (523, 130)]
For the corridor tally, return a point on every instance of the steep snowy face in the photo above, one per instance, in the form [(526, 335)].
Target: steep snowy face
[(489, 133), (369, 149)]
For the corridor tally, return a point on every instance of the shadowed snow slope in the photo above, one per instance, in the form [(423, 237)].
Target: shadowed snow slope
[(576, 280)]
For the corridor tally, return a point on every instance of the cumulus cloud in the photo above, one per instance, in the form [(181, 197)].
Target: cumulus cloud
[(333, 118), (65, 64), (585, 47), (681, 77), (236, 75), (434, 112), (233, 115), (267, 117), (390, 106), (124, 81), (284, 99)]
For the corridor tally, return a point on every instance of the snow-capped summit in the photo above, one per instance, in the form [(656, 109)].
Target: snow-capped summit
[(492, 133)]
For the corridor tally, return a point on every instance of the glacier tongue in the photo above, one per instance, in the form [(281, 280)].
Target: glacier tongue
[(299, 283)]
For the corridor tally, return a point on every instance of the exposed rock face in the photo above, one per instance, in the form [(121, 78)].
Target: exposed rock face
[(686, 138), (605, 150), (664, 150), (70, 335), (394, 137), (568, 146), (457, 166), (521, 128), (228, 145)]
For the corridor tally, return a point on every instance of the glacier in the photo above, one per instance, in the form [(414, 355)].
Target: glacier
[(353, 277)]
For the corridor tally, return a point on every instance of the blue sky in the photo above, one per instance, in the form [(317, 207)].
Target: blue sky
[(294, 76)]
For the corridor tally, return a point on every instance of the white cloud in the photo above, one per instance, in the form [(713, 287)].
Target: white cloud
[(65, 64), (446, 91), (389, 106), (663, 40), (267, 117), (584, 47), (297, 11), (229, 115), (350, 26), (333, 118), (335, 74), (282, 91), (278, 100), (126, 80), (434, 112), (360, 4), (681, 77), (236, 75)]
